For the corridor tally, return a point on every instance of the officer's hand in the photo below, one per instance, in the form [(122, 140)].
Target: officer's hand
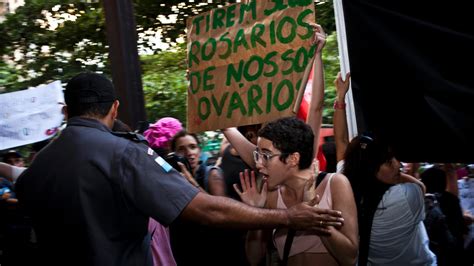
[(305, 216)]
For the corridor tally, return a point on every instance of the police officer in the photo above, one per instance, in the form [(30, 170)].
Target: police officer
[(90, 193)]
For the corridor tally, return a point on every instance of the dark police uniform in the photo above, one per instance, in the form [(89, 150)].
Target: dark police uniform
[(90, 194)]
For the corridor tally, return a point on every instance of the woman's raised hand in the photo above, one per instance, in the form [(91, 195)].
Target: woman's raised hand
[(319, 37), (249, 193), (342, 86)]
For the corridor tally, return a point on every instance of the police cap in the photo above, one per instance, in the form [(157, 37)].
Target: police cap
[(89, 87)]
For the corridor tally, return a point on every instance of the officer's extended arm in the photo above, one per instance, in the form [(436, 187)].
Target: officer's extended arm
[(221, 211)]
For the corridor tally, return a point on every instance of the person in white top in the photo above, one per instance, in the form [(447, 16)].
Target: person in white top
[(11, 172), (390, 204), (466, 197)]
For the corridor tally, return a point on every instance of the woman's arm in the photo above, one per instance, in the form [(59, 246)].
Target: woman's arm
[(343, 243), (224, 144), (6, 170), (243, 146), (341, 134), (315, 115), (404, 178), (216, 183)]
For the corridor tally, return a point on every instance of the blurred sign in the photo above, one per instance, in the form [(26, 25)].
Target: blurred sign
[(31, 115), (246, 62)]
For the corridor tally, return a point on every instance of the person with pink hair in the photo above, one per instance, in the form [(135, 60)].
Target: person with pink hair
[(159, 136)]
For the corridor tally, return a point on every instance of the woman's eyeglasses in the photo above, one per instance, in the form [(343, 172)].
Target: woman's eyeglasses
[(265, 157)]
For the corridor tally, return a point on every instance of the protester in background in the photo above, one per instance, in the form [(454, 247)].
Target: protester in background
[(11, 168), (412, 169), (207, 178), (466, 196), (231, 163), (15, 227), (447, 232), (8, 176), (14, 158), (191, 242), (232, 243), (7, 194), (390, 204), (160, 238), (159, 137), (160, 133)]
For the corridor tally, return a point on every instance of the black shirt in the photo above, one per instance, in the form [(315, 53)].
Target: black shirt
[(90, 194), (232, 165)]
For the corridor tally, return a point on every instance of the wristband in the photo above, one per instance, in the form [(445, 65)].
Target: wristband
[(339, 105)]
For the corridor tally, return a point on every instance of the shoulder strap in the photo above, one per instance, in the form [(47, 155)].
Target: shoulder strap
[(288, 242)]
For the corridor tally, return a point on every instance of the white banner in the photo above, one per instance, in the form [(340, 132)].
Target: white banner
[(31, 115)]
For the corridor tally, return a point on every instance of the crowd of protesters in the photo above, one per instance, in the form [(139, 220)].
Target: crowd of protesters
[(100, 194)]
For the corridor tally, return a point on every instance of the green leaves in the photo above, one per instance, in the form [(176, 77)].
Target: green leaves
[(165, 84), (331, 67), (47, 40)]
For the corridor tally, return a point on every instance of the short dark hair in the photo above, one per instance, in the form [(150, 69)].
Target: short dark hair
[(11, 154), (291, 135), (89, 94), (181, 134), (434, 180)]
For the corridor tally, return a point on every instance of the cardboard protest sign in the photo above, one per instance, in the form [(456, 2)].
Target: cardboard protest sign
[(31, 115), (246, 62)]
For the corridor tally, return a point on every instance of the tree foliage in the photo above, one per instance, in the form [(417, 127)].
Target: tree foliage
[(47, 40), (148, 20), (331, 67), (165, 84), (8, 77)]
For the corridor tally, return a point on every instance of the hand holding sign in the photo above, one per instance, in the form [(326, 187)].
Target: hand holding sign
[(319, 37)]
